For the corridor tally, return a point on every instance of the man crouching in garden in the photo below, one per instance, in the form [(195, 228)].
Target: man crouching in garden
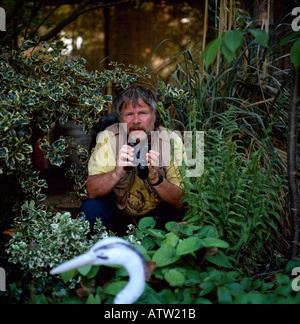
[(128, 178)]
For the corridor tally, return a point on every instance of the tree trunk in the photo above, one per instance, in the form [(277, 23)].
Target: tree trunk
[(292, 166)]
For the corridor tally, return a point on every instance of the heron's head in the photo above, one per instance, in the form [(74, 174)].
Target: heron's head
[(116, 251), (108, 251)]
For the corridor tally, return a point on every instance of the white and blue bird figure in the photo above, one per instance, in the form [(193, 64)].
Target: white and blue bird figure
[(114, 251)]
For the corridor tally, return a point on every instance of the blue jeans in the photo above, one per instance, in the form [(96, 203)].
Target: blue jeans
[(117, 220)]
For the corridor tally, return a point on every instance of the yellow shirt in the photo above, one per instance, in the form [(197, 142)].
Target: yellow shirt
[(141, 198)]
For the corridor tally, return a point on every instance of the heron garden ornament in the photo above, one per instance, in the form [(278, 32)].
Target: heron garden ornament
[(114, 251)]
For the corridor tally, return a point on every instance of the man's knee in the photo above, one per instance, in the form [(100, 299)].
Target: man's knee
[(93, 209)]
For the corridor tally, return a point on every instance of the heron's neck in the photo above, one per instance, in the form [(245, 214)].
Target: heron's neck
[(136, 284)]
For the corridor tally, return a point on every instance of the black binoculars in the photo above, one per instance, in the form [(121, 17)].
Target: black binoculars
[(140, 161)]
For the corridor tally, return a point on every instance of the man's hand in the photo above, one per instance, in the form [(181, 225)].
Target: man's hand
[(123, 159), (153, 163)]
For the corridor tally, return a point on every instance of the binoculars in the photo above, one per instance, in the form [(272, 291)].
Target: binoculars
[(140, 161)]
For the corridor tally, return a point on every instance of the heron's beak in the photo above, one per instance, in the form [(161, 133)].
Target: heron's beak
[(83, 260)]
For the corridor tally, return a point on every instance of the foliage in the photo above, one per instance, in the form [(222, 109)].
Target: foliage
[(40, 87), (238, 194), (43, 240), (234, 209), (191, 268)]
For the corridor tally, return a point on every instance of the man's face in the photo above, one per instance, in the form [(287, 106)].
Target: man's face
[(139, 118)]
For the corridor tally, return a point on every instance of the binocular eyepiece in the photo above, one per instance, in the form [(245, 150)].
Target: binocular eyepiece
[(140, 161)]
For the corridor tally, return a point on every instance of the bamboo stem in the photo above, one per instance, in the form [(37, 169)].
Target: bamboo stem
[(292, 167), (220, 32), (267, 28), (204, 39), (230, 15), (205, 25)]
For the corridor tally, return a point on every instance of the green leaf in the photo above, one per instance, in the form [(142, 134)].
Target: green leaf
[(3, 152), (46, 67), (211, 51), (93, 272), (232, 41), (165, 255), (188, 246), (158, 234), (261, 36), (220, 260), (20, 157), (295, 54), (66, 276), (175, 278), (146, 222), (210, 242), (224, 296), (115, 287), (84, 270), (93, 300)]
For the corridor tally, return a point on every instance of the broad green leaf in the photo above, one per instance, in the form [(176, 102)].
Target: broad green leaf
[(165, 255), (84, 270), (261, 36), (172, 239), (188, 245), (155, 233), (66, 276), (115, 287), (175, 278), (208, 231), (220, 260), (232, 41), (295, 54), (224, 296), (93, 272), (146, 222), (210, 242), (211, 51)]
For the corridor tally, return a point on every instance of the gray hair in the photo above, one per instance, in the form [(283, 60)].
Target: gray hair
[(132, 95)]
